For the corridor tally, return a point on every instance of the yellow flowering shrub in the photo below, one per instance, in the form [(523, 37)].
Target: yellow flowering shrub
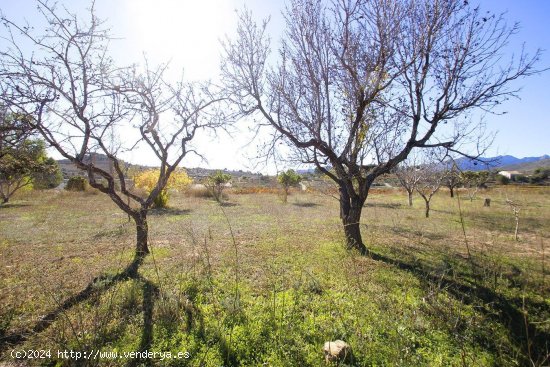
[(147, 180)]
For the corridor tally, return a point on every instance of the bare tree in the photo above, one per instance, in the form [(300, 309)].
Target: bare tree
[(452, 179), (409, 174), (216, 183), (515, 207), (358, 84), (82, 104), (431, 176), (473, 181)]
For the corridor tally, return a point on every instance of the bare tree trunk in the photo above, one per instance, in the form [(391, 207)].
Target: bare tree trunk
[(350, 213), (142, 233), (5, 200), (472, 194), (217, 190), (344, 202), (352, 231), (410, 194), (452, 191), (128, 203), (427, 208)]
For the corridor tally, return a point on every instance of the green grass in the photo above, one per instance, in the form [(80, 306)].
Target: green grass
[(286, 285)]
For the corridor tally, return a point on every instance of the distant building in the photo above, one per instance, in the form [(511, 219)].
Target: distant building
[(510, 174), (101, 161)]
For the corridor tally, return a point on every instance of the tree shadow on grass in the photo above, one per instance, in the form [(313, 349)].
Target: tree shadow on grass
[(528, 337), (150, 294), (169, 211), (13, 205), (384, 205), (228, 204), (306, 205), (96, 287)]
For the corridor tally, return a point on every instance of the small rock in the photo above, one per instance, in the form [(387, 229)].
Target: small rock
[(337, 350)]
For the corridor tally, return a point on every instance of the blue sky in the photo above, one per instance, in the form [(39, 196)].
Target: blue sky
[(187, 32), (525, 129)]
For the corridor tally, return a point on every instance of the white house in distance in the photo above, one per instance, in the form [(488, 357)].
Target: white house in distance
[(509, 174)]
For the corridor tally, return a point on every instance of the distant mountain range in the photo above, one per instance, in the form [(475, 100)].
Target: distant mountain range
[(501, 163), (504, 162)]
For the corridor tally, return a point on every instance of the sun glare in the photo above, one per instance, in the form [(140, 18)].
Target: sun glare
[(183, 31)]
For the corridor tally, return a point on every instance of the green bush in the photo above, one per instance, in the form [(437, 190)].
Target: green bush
[(48, 179), (77, 183), (288, 179), (161, 201), (21, 164), (521, 178), (540, 175), (502, 180)]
